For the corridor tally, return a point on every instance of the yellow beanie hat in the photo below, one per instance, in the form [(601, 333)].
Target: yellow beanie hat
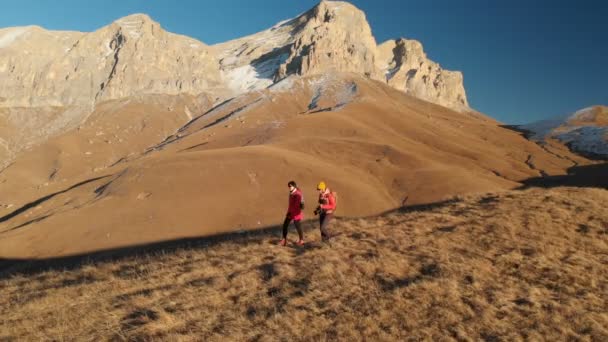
[(321, 186)]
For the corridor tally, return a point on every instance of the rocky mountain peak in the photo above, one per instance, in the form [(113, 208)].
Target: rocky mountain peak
[(332, 11), (135, 17), (135, 26), (134, 55), (334, 36)]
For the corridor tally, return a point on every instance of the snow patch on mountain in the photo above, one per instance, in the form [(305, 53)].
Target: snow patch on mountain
[(11, 35), (254, 76), (587, 139)]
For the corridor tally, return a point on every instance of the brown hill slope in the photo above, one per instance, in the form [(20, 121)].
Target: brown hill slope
[(228, 168), (114, 131), (507, 266)]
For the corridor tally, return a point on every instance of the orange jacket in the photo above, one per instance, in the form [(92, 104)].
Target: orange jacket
[(327, 201)]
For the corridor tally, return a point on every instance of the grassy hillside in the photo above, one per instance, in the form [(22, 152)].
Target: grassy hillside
[(512, 265)]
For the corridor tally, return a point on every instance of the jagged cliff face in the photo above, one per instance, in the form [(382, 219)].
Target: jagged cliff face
[(52, 81), (332, 36), (131, 56), (406, 67), (335, 36), (134, 55), (25, 53)]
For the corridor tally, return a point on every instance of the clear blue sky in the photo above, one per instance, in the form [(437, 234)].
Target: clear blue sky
[(522, 60)]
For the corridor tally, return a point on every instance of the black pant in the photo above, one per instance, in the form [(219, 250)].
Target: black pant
[(296, 223), (324, 219)]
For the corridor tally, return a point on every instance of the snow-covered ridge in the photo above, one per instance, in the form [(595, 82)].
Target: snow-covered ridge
[(583, 111), (587, 139), (251, 62)]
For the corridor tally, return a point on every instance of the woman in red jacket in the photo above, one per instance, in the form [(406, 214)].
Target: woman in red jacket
[(294, 213)]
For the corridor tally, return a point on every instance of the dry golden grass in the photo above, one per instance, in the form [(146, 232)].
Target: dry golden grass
[(513, 265)]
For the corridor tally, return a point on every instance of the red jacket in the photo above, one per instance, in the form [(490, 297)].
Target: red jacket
[(295, 210), (328, 202)]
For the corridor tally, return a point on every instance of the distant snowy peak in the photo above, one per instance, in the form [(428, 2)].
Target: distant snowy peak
[(585, 131), (591, 116)]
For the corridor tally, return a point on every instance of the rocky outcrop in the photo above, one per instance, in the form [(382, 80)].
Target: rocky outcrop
[(128, 57), (25, 53), (52, 80), (331, 36), (406, 67), (335, 36)]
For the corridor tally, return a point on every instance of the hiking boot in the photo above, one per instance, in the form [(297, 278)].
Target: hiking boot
[(300, 242), (283, 242)]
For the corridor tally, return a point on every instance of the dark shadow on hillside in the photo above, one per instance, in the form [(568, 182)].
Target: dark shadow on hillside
[(516, 128), (9, 267), (39, 201), (588, 176), (529, 134), (588, 155), (423, 207), (579, 176)]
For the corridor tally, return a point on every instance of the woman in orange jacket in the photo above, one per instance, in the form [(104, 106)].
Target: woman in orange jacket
[(326, 208)]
